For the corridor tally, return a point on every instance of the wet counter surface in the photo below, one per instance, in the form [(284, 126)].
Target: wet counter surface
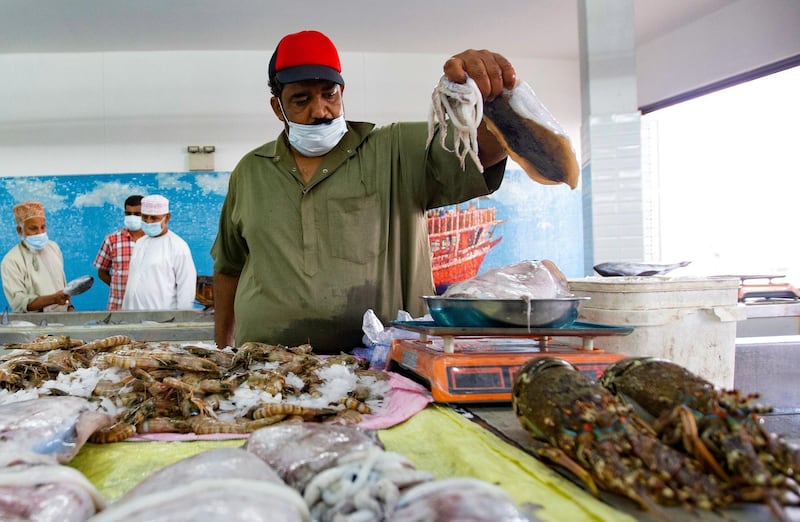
[(763, 365), (499, 419), (144, 326)]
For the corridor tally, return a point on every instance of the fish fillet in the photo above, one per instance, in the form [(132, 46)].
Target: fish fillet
[(532, 137)]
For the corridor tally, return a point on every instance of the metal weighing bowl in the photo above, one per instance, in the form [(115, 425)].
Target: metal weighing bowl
[(533, 313)]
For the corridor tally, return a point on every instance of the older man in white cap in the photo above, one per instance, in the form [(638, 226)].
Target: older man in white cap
[(33, 271), (161, 275)]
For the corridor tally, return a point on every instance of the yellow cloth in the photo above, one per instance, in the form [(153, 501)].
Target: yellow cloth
[(458, 448), (448, 445), (116, 468)]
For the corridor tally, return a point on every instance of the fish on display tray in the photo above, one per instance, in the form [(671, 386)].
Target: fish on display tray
[(528, 293), (523, 280), (621, 268)]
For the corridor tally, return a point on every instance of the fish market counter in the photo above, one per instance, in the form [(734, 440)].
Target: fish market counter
[(438, 439), (770, 318), (483, 441), (499, 420), (480, 441), (144, 326)]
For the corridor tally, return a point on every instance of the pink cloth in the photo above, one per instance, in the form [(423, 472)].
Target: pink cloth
[(405, 399)]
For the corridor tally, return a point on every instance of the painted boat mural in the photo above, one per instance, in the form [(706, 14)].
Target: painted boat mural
[(460, 238)]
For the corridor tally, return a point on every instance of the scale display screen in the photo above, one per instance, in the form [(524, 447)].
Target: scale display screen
[(466, 380), (479, 379)]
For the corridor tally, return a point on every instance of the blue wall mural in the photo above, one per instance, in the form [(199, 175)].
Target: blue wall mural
[(82, 209), (538, 221)]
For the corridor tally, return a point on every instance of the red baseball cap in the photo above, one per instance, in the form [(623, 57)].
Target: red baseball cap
[(306, 55)]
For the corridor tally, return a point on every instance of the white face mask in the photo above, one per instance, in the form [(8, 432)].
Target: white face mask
[(315, 140), (133, 222), (153, 229), (36, 241)]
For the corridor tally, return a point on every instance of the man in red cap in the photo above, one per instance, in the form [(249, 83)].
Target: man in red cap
[(33, 271), (329, 220)]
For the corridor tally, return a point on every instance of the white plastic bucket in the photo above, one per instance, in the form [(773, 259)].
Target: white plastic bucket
[(691, 322)]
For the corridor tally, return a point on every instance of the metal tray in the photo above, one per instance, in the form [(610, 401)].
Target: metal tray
[(574, 329), (529, 313)]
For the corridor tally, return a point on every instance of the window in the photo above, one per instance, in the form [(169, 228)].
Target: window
[(725, 174)]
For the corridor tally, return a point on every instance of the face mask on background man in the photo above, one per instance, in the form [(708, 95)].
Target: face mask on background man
[(133, 222), (152, 229), (36, 241)]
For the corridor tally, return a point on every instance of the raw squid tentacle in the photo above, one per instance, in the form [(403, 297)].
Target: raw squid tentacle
[(462, 104), (365, 485)]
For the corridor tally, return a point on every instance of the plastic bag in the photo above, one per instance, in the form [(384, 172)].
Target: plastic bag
[(378, 339)]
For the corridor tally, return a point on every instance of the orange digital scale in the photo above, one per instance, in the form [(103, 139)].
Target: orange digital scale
[(479, 364)]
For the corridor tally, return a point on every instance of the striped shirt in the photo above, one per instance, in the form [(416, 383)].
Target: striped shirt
[(114, 256)]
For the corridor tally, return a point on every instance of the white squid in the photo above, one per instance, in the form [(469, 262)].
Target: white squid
[(518, 119), (462, 103)]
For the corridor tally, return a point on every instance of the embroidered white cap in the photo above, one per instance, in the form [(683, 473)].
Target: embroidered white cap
[(27, 210), (155, 205)]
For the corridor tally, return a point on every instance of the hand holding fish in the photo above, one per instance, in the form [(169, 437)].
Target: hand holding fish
[(493, 115), (491, 72), (470, 78)]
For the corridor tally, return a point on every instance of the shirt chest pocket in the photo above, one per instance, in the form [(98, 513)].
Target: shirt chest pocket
[(355, 226)]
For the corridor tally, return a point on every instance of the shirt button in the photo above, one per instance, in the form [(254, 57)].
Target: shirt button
[(349, 151), (324, 171), (294, 169)]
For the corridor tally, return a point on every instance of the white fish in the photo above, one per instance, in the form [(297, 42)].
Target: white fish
[(57, 426), (621, 268), (219, 484), (36, 487), (523, 280)]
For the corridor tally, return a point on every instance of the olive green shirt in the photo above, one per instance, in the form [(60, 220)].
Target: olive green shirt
[(312, 258)]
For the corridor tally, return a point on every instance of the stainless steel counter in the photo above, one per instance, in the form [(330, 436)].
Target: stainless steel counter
[(145, 326), (770, 318)]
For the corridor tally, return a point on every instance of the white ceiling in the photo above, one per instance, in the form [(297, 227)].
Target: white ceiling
[(519, 28)]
